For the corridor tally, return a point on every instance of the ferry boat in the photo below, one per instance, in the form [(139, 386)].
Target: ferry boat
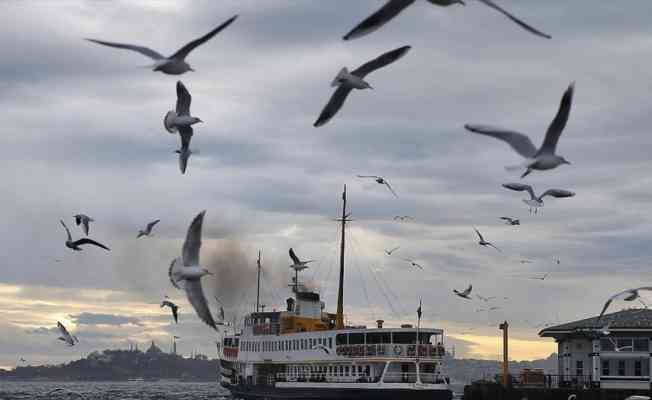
[(304, 352)]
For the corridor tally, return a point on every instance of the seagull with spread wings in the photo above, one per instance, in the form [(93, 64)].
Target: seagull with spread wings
[(465, 294), (176, 63), (66, 336), (511, 220), (173, 307), (389, 252), (381, 181), (148, 229), (535, 202), (413, 263), (630, 295), (187, 271), (74, 245), (483, 242), (84, 221), (297, 264), (393, 7), (347, 81), (544, 157), (181, 121), (542, 277)]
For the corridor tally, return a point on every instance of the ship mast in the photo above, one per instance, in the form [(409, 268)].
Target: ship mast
[(258, 288), (339, 321)]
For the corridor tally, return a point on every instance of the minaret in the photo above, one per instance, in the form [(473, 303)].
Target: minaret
[(339, 321)]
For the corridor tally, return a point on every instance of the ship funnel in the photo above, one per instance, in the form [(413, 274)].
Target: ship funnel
[(380, 323), (290, 303)]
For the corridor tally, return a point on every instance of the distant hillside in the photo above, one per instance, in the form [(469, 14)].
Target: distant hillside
[(468, 370), (122, 365)]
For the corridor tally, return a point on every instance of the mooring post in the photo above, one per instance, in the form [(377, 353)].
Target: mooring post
[(504, 327)]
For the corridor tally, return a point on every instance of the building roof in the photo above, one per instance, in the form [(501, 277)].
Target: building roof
[(634, 318)]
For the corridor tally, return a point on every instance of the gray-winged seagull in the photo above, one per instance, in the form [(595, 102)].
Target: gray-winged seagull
[(544, 157), (148, 229), (84, 221), (536, 202), (483, 242), (66, 337), (174, 64), (465, 294), (381, 181), (181, 121), (186, 271), (346, 81), (632, 294), (173, 307), (393, 7), (74, 245)]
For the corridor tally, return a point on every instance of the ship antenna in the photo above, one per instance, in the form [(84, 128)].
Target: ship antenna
[(339, 321), (258, 288)]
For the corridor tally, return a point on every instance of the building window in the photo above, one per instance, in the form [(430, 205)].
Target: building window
[(579, 368), (638, 368), (606, 344), (641, 344), (605, 368), (621, 368)]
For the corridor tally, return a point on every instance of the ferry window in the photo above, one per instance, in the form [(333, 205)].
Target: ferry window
[(424, 338), (379, 338), (405, 337), (341, 371), (641, 344), (621, 367), (341, 339), (606, 345), (310, 342), (579, 368), (605, 368), (330, 342), (356, 338), (319, 341), (638, 368), (346, 370), (367, 370), (330, 370)]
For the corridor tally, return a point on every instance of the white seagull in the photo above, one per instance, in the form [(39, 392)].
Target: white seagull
[(381, 181), (346, 81), (148, 229), (632, 294), (84, 221), (413, 263), (389, 252), (537, 202), (393, 7), (74, 245), (174, 64), (540, 159), (483, 242), (465, 294), (185, 270), (511, 221), (297, 264), (181, 121), (66, 337)]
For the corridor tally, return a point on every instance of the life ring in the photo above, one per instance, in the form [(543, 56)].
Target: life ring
[(398, 350)]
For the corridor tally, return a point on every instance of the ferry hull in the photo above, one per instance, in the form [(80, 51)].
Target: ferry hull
[(261, 392)]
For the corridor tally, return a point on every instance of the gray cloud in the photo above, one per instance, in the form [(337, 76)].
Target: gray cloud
[(86, 318)]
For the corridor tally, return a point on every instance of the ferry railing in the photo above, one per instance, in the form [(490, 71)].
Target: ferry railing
[(321, 377), (391, 350), (400, 377), (555, 381)]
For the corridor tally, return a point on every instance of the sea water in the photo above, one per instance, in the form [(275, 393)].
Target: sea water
[(161, 390)]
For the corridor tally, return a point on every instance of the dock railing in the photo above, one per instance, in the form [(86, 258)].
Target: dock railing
[(548, 381)]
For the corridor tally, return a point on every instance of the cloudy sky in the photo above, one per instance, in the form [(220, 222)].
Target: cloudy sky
[(83, 133)]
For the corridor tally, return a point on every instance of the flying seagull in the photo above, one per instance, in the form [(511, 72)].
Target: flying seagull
[(381, 181), (346, 81), (541, 278), (536, 202), (148, 229), (466, 293), (483, 242), (389, 252), (66, 337), (173, 307), (511, 221), (544, 157), (297, 264), (322, 348), (485, 299), (393, 7), (75, 244), (84, 221), (176, 63), (185, 270), (632, 294), (413, 263), (181, 121)]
